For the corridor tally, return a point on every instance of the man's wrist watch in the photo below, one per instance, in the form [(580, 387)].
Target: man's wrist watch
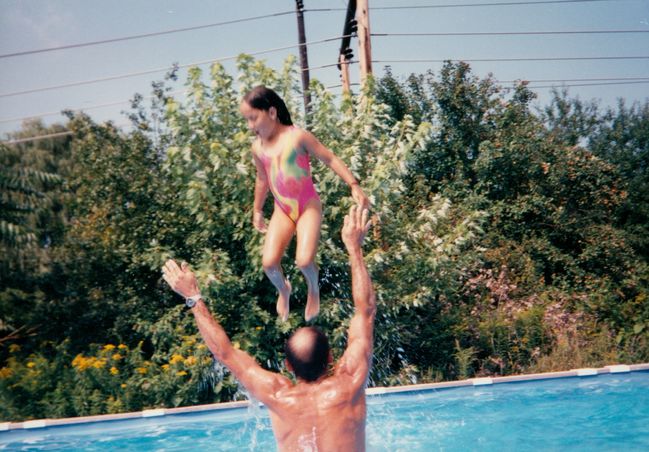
[(191, 301)]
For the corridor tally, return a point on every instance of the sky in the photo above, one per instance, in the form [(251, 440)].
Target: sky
[(132, 65)]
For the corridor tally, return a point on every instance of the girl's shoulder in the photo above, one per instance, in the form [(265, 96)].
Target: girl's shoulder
[(291, 136), (300, 135)]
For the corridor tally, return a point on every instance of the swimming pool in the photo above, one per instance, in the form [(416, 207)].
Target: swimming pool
[(583, 410)]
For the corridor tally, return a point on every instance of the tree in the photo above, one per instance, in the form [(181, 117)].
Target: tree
[(32, 220)]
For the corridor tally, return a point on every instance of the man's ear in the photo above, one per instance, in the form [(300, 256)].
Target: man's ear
[(272, 112)]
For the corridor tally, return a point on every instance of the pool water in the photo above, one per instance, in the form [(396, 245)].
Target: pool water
[(599, 413)]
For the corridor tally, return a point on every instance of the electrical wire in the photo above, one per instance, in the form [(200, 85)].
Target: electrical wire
[(80, 109), (496, 60), (640, 80), (467, 5), (153, 71), (596, 81), (36, 138), (576, 85), (606, 79), (145, 35), (513, 33)]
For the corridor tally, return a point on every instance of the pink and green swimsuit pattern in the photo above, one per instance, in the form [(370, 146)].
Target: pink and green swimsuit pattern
[(289, 177)]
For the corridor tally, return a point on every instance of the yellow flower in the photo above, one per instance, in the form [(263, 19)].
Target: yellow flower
[(165, 367), (98, 363), (109, 347), (114, 371), (201, 347), (31, 364), (83, 363), (141, 370), (181, 373), (122, 347), (6, 372), (190, 361), (123, 385), (259, 328), (76, 362), (176, 358), (117, 356), (189, 340)]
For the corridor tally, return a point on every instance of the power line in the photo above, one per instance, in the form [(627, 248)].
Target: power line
[(38, 137), (574, 85), (605, 79), (59, 134), (609, 80), (153, 71), (467, 5), (508, 33), (492, 60), (121, 102), (599, 82), (80, 109), (145, 35), (283, 13)]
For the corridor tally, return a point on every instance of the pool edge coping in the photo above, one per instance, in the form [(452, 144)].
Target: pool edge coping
[(479, 381)]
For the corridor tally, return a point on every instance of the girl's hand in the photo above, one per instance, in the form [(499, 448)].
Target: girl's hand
[(359, 197), (258, 222)]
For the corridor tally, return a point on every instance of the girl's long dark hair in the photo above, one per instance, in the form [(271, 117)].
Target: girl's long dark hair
[(262, 98)]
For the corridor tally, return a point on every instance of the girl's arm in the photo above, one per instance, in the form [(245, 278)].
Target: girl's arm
[(317, 149), (261, 191)]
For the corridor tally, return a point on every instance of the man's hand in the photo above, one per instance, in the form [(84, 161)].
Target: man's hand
[(181, 279), (355, 227)]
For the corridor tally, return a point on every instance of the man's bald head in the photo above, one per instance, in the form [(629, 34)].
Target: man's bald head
[(307, 351)]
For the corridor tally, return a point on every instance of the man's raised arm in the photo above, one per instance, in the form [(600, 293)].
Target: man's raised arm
[(261, 383), (358, 355)]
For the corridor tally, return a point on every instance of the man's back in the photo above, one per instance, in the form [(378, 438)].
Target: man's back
[(319, 412), (325, 415)]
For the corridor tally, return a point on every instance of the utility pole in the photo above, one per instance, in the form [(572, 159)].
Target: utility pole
[(343, 64), (346, 51), (304, 61), (364, 47)]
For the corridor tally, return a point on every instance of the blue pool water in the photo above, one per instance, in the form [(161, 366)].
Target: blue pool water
[(602, 413)]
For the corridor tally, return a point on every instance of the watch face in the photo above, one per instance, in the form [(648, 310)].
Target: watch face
[(190, 302)]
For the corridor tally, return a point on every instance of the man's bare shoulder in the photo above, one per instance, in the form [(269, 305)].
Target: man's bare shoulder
[(264, 385), (302, 398)]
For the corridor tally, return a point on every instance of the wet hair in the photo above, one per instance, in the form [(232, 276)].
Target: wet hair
[(307, 351), (262, 98)]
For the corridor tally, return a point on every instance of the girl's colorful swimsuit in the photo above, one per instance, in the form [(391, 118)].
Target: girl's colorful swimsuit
[(289, 177)]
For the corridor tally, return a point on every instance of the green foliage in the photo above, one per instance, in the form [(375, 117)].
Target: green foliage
[(555, 193), (622, 138), (503, 241)]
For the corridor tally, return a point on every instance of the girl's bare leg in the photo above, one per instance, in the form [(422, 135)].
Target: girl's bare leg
[(278, 235), (308, 236)]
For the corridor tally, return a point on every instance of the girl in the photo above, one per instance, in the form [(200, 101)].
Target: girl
[(281, 154)]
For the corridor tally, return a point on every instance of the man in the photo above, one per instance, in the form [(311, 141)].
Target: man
[(322, 410)]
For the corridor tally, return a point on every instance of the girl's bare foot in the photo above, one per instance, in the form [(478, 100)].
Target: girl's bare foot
[(283, 301), (312, 304)]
